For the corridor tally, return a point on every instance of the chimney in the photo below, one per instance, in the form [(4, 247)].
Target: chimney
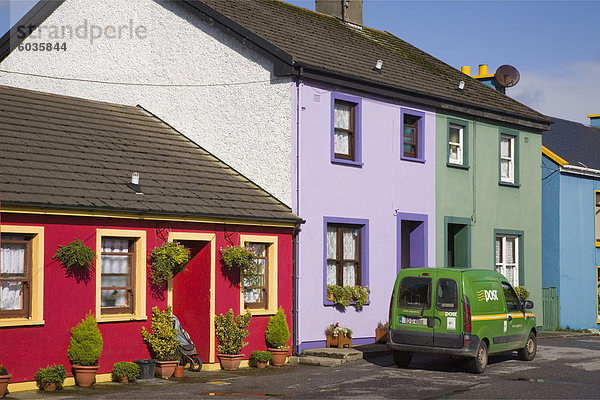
[(347, 10), (594, 120)]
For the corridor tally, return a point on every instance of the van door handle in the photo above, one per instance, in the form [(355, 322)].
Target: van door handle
[(509, 317)]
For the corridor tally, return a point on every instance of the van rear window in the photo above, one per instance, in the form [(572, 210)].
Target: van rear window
[(415, 292), (446, 298)]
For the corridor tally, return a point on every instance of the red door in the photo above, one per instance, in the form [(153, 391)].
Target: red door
[(191, 297)]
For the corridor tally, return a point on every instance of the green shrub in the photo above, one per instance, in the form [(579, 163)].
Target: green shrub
[(522, 292), (245, 260), (162, 341), (85, 345), (167, 261), (346, 294), (231, 332), (261, 356), (3, 370), (75, 253), (125, 369), (51, 374), (277, 333)]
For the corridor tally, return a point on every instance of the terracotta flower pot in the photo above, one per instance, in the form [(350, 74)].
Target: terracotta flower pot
[(85, 375), (165, 369), (51, 387), (4, 379), (279, 356), (261, 364), (124, 379), (178, 371), (230, 362)]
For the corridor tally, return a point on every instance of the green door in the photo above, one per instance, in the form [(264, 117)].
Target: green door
[(447, 330), (514, 326), (415, 310)]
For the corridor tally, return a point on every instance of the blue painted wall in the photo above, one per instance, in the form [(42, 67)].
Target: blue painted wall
[(569, 255)]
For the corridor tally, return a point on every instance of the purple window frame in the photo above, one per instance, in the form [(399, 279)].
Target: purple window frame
[(416, 218), (357, 101), (364, 251), (420, 135)]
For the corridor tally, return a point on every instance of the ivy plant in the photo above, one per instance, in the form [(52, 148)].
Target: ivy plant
[(167, 261), (75, 254)]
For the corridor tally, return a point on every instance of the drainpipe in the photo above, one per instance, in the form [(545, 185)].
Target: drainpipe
[(296, 238), (474, 174)]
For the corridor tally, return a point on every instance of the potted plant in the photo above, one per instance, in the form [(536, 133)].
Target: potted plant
[(344, 295), (75, 254), (4, 379), (244, 259), (338, 336), (125, 371), (85, 347), (277, 335), (231, 332), (261, 358), (167, 261), (381, 332), (51, 378), (163, 342)]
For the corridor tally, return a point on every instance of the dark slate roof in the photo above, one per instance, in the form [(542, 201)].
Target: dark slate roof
[(321, 42), (576, 143), (66, 152)]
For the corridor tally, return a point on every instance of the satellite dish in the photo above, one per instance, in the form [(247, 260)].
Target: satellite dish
[(507, 76)]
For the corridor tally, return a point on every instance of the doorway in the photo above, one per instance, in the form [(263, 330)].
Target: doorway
[(412, 241), (458, 242)]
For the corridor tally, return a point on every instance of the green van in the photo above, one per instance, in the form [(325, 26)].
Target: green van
[(459, 312)]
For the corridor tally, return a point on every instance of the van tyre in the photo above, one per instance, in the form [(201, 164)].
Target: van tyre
[(527, 353), (402, 358), (478, 364)]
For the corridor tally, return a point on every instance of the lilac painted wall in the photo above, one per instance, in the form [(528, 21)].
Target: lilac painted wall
[(381, 191)]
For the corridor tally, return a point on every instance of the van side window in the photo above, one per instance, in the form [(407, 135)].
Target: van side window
[(415, 292), (512, 301), (446, 298)]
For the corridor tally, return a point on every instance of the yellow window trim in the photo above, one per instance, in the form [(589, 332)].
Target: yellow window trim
[(201, 237), (553, 156), (140, 274), (37, 275), (272, 255)]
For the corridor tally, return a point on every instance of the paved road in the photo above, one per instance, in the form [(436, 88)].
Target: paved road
[(563, 368)]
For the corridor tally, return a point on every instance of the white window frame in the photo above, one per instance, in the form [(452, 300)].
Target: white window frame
[(510, 159), (459, 145), (597, 216), (503, 266)]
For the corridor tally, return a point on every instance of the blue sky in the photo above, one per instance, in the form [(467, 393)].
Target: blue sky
[(554, 44)]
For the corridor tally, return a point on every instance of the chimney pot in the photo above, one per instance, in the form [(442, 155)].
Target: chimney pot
[(483, 69), (465, 69), (347, 10)]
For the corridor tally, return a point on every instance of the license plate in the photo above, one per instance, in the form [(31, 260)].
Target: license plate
[(413, 321)]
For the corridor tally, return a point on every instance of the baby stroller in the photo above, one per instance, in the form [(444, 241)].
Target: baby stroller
[(187, 349)]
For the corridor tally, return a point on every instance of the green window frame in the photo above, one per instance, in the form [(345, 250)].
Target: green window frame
[(508, 158), (457, 144)]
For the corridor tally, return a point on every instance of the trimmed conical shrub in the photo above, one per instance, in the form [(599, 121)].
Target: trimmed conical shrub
[(85, 345), (277, 333)]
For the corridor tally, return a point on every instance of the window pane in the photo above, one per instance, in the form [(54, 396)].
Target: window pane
[(331, 273), (331, 242), (454, 134), (455, 153), (349, 274), (350, 237), (341, 143), (114, 298), (11, 297), (115, 245), (13, 259), (498, 250), (505, 168), (510, 250), (342, 113), (505, 147), (447, 295), (253, 295), (597, 215), (415, 292)]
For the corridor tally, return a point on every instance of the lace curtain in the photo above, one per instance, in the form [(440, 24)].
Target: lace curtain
[(115, 271), (341, 140), (13, 265)]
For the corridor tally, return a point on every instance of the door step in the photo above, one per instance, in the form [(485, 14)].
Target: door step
[(330, 357)]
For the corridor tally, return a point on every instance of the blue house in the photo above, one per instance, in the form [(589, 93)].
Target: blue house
[(571, 219)]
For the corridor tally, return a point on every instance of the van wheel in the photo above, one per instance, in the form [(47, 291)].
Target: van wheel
[(527, 353), (478, 364), (402, 358)]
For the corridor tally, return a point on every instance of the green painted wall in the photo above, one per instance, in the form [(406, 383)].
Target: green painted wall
[(474, 194)]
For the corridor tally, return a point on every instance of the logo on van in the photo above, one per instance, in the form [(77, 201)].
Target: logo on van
[(487, 295)]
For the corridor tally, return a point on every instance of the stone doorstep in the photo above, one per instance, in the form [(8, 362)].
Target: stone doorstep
[(334, 356), (317, 361)]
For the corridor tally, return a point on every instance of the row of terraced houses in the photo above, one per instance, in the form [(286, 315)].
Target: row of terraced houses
[(341, 152)]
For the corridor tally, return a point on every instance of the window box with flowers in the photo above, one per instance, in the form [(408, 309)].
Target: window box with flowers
[(338, 337)]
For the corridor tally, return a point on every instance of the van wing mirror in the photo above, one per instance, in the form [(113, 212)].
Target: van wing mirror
[(528, 304)]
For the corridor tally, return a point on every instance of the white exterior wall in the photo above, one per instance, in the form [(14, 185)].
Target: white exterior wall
[(237, 110)]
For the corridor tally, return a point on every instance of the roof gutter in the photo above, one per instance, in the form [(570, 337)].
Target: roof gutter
[(395, 92), (577, 170)]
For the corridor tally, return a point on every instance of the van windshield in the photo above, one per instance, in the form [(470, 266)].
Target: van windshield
[(415, 292)]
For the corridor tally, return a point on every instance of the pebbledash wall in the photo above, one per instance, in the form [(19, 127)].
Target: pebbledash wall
[(377, 193), (223, 95), (66, 299)]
